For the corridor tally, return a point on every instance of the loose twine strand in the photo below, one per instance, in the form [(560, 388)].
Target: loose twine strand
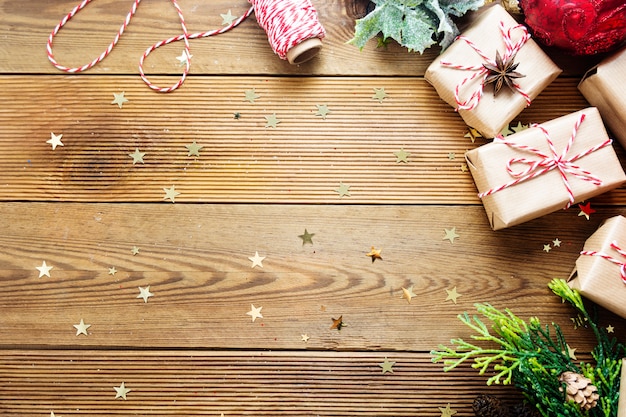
[(511, 49), (548, 162), (621, 263), (287, 23)]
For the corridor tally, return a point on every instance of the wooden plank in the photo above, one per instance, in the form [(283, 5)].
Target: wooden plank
[(195, 260), (244, 50), (303, 160)]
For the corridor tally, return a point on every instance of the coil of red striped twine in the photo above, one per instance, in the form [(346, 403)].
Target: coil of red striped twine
[(546, 163), (292, 27), (621, 263), (510, 49)]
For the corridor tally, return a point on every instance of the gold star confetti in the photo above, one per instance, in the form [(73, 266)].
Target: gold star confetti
[(408, 293), (519, 127), (374, 254), (387, 366), (306, 237), (547, 248), (337, 323), (183, 59), (193, 149), (379, 94), (556, 243), (402, 156), (271, 121), (506, 131), (170, 193), (451, 156), (450, 234), (322, 110), (145, 293), (257, 260), (251, 95), (44, 269), (137, 156), (112, 271), (227, 18), (134, 250), (305, 338), (473, 134), (452, 295), (121, 391), (255, 312), (586, 210), (579, 321), (343, 190), (119, 99), (51, 414), (236, 115), (464, 168), (447, 411), (610, 329), (55, 140), (570, 352), (81, 328)]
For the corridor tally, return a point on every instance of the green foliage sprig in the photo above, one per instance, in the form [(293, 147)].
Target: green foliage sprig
[(415, 24), (532, 357)]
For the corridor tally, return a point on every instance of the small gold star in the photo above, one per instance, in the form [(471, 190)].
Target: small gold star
[(322, 110), (447, 411), (547, 248), (610, 329), (519, 127), (193, 149), (337, 323), (251, 95), (571, 352), (81, 328), (556, 243), (119, 99), (44, 269), (450, 234), (306, 237), (228, 18), (452, 295), (137, 156), (55, 140), (145, 293), (343, 190), (379, 94), (402, 156), (473, 134), (387, 366), (112, 271), (374, 254), (134, 250), (184, 58), (451, 156), (408, 293), (255, 312), (170, 193), (271, 121), (305, 338), (121, 391), (257, 260), (464, 168)]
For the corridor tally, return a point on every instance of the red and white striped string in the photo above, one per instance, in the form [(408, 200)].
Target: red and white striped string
[(546, 163), (621, 263), (287, 23), (511, 49)]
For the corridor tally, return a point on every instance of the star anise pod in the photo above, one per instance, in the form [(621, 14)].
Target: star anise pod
[(502, 73)]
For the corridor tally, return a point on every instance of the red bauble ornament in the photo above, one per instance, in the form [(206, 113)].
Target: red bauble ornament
[(581, 27)]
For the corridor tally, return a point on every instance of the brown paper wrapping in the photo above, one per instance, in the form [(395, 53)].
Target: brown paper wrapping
[(621, 408), (546, 193), (492, 114), (599, 279), (604, 87)]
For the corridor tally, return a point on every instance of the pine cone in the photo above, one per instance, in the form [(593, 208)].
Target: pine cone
[(489, 406), (580, 390), (524, 410)]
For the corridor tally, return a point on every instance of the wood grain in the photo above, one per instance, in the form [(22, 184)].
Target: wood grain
[(195, 259), (303, 160)]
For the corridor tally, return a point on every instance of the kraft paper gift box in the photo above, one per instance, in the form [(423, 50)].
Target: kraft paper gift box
[(520, 177), (621, 405), (604, 87), (599, 268), (491, 113)]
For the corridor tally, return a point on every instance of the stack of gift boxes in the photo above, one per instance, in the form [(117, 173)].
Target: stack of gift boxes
[(549, 166)]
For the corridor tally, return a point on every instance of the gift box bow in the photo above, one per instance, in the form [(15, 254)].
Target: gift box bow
[(544, 162), (621, 261)]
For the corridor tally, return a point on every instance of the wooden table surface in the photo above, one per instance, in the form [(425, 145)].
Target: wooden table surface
[(192, 349)]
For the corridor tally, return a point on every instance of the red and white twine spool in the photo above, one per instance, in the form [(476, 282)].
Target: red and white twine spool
[(621, 263), (548, 162), (286, 22), (510, 49)]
